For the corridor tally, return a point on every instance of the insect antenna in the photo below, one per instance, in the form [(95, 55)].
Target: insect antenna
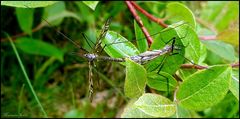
[(51, 26)]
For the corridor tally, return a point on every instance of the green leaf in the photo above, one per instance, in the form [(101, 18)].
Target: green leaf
[(155, 105), (221, 49), (178, 12), (135, 81), (131, 111), (26, 4), (205, 88), (203, 54), (190, 40), (59, 17), (182, 113), (210, 14), (91, 4), (25, 19), (37, 47), (224, 13), (141, 43), (159, 81), (229, 14), (171, 63), (117, 46), (234, 86), (53, 12)]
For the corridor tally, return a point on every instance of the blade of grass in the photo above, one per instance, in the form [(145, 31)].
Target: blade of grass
[(26, 76), (20, 103)]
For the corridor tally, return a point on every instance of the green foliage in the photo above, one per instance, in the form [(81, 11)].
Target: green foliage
[(178, 12), (174, 91), (226, 51), (25, 19), (205, 88), (145, 107), (135, 80), (30, 4), (91, 4), (37, 47), (159, 81), (118, 46)]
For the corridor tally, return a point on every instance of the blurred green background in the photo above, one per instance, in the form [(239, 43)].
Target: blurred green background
[(61, 79)]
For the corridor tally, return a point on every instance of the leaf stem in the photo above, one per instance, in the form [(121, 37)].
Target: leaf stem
[(189, 66), (151, 17), (139, 21)]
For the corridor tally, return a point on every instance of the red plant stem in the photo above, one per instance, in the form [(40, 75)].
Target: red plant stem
[(213, 37), (190, 66), (151, 17), (139, 21)]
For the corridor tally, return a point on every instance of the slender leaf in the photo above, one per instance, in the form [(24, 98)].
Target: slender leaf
[(26, 76), (37, 47), (30, 4), (25, 19), (91, 4), (234, 86), (142, 43), (135, 81), (54, 11), (205, 88)]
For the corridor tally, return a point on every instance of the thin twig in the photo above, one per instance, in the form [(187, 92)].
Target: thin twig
[(151, 17), (139, 21), (192, 66)]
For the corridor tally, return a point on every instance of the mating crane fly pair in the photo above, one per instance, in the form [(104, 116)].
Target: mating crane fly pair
[(93, 56)]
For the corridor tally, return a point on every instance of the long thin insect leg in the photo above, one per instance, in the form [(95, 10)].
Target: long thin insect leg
[(85, 37), (160, 68), (90, 76)]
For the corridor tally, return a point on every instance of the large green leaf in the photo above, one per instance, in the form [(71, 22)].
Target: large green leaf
[(159, 81), (131, 111), (142, 43), (190, 41), (155, 105), (37, 47), (53, 11), (91, 4), (135, 81), (26, 4), (221, 49), (117, 46), (234, 86), (179, 12), (171, 63), (25, 19), (205, 88)]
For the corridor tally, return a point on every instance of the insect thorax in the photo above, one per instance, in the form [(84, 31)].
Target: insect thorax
[(90, 57)]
